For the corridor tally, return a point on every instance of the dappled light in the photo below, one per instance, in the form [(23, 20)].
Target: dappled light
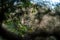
[(30, 20)]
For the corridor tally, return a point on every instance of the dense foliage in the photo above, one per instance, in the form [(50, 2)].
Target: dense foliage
[(30, 21)]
